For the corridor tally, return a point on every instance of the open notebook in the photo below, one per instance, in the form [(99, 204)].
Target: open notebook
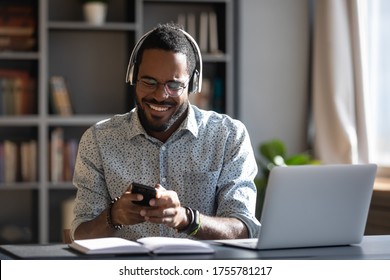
[(155, 245), (313, 205)]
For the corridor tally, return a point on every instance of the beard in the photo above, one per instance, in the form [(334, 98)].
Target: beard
[(155, 127)]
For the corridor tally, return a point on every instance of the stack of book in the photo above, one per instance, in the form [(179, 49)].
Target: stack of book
[(17, 27), (62, 156), (17, 92), (203, 28), (18, 161)]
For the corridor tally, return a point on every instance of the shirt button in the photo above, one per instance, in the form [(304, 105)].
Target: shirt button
[(163, 148), (163, 180)]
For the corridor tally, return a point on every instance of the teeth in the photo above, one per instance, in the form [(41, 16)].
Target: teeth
[(160, 109)]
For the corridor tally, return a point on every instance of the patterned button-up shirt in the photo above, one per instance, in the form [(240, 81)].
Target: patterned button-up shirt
[(208, 161)]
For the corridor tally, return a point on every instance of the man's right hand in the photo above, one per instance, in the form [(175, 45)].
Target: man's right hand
[(125, 212)]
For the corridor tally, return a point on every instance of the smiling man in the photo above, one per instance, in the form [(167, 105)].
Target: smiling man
[(200, 163), (160, 109)]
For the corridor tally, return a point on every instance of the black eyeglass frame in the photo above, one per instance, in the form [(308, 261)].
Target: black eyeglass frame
[(151, 85)]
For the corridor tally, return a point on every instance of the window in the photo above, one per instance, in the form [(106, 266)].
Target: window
[(376, 39)]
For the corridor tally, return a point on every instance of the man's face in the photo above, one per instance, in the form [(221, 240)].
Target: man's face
[(158, 111)]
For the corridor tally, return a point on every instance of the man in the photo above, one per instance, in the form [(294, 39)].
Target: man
[(200, 162)]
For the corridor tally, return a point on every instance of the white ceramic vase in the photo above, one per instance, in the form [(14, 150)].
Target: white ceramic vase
[(95, 12)]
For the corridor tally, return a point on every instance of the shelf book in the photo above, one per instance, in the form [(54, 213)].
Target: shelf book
[(17, 92), (206, 34), (60, 99), (63, 154), (29, 161), (10, 161), (18, 161), (155, 245), (17, 27)]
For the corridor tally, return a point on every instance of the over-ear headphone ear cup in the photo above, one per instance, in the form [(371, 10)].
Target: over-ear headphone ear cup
[(193, 85)]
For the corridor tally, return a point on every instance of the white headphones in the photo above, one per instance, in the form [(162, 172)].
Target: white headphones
[(195, 83)]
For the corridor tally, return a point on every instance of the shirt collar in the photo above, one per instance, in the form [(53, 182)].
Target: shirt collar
[(136, 128)]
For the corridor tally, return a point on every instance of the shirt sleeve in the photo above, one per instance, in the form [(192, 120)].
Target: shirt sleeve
[(237, 192), (92, 195)]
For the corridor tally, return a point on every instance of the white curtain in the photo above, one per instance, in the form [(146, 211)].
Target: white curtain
[(339, 114)]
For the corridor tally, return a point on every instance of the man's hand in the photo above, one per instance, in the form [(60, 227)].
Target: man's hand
[(125, 212), (165, 209)]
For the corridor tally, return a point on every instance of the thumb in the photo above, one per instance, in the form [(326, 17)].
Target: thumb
[(159, 189)]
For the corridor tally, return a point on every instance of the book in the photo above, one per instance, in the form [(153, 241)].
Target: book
[(3, 94), (19, 17), (18, 26), (10, 161), (60, 96), (203, 32), (2, 168), (218, 95), (57, 155), (213, 33), (181, 20), (28, 158), (17, 92), (70, 154), (146, 245), (191, 25), (17, 43)]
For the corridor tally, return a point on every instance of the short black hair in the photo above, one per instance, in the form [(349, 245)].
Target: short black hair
[(169, 37)]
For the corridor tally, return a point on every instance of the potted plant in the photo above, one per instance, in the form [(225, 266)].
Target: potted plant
[(274, 153), (95, 11)]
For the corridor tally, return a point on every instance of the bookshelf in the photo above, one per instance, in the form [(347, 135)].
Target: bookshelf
[(92, 59)]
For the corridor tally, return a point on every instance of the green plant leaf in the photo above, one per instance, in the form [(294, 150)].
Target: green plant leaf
[(272, 149), (298, 159)]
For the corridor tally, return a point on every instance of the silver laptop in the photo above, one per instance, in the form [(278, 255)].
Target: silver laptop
[(312, 206)]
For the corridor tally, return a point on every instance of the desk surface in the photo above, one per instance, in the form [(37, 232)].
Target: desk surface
[(371, 248)]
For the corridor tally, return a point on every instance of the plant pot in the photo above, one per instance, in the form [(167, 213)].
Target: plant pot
[(95, 12)]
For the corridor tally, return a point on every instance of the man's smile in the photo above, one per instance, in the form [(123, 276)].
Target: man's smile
[(158, 108)]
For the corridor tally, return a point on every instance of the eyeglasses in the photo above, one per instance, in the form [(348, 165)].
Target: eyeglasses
[(171, 88)]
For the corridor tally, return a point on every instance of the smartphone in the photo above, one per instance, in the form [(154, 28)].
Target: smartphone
[(148, 193)]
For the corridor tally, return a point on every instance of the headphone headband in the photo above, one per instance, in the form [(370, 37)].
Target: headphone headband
[(195, 84)]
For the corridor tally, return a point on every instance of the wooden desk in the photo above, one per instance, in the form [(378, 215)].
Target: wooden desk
[(378, 221)]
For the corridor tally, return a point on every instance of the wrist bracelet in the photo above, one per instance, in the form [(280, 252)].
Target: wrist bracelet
[(109, 216), (190, 216), (194, 225)]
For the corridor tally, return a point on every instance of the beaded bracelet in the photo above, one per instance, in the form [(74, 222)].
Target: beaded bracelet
[(109, 216)]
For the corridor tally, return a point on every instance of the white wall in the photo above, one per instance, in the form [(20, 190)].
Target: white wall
[(273, 70)]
